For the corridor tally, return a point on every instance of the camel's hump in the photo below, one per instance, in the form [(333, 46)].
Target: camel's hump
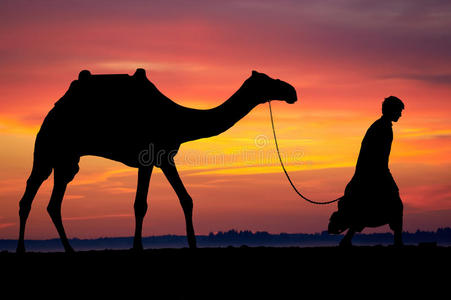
[(86, 75), (98, 87)]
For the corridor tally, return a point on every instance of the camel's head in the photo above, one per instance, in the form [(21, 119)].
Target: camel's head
[(266, 88)]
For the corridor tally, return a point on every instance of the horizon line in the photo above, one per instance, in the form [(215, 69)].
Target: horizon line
[(323, 233)]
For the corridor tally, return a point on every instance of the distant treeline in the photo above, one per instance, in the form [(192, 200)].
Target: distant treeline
[(237, 238), (441, 236)]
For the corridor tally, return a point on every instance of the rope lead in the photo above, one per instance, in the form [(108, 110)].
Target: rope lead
[(283, 167)]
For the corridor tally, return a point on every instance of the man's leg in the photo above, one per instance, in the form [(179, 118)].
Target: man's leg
[(396, 224), (347, 239)]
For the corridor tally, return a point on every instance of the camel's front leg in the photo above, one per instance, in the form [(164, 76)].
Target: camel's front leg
[(170, 171), (141, 204)]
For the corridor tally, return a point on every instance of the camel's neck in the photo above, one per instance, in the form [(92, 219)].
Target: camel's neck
[(214, 121)]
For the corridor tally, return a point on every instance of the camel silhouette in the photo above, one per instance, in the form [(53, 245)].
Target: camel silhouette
[(127, 119)]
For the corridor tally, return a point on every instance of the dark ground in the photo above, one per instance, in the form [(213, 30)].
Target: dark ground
[(230, 273)]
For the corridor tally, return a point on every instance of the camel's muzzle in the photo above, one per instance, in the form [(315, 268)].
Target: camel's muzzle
[(292, 97)]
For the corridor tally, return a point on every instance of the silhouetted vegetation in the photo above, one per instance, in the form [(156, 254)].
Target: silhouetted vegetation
[(238, 238)]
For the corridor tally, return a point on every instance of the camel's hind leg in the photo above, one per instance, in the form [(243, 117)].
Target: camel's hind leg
[(41, 171), (140, 206), (63, 174)]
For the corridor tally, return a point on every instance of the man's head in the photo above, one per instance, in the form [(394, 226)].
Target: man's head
[(392, 108)]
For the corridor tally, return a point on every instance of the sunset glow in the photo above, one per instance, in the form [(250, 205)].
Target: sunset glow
[(343, 58)]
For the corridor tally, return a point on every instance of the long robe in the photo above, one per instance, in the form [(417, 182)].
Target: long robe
[(371, 198)]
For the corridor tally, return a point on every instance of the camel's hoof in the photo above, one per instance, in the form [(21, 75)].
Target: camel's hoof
[(398, 245), (137, 248), (69, 250), (345, 244)]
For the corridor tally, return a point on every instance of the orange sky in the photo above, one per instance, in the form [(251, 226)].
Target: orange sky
[(343, 58)]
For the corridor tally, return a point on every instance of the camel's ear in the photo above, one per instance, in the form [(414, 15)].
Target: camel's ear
[(254, 73)]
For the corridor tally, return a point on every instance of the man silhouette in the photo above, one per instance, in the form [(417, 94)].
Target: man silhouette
[(372, 198)]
